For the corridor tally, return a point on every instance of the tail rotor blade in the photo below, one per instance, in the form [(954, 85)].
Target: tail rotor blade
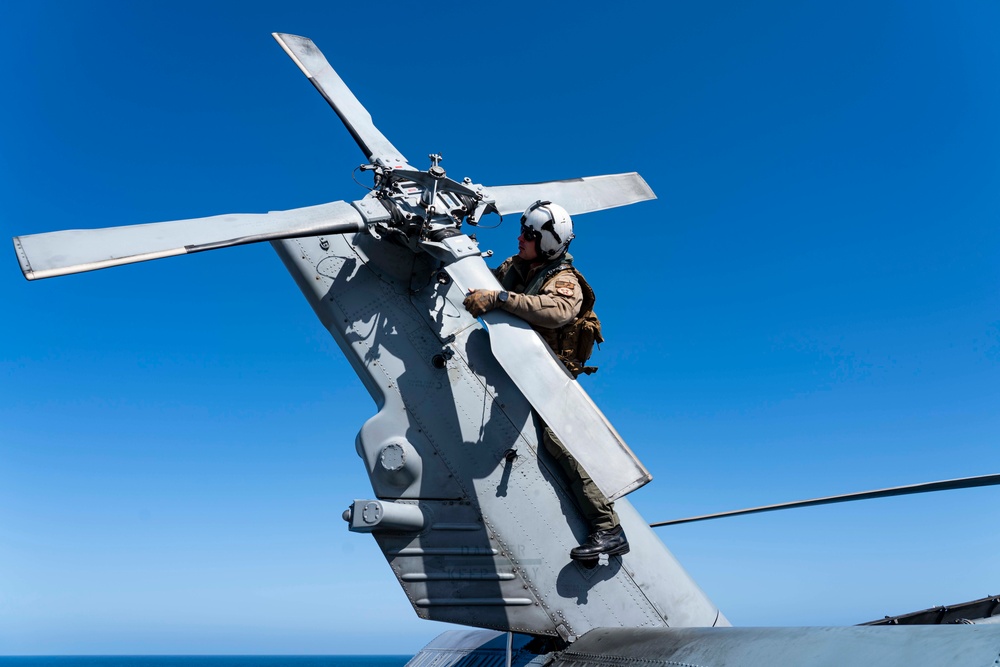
[(576, 195), (356, 118), (78, 250)]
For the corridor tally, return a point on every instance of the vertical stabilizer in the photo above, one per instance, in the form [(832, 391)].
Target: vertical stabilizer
[(474, 519)]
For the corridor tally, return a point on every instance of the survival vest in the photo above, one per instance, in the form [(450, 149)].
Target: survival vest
[(574, 342)]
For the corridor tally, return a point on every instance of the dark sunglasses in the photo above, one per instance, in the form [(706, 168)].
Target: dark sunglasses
[(530, 234)]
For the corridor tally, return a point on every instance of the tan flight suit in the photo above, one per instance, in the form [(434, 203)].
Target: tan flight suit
[(548, 304)]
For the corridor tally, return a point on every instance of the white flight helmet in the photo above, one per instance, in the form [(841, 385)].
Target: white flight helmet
[(550, 225)]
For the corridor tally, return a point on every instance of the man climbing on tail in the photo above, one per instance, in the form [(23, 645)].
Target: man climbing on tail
[(542, 287)]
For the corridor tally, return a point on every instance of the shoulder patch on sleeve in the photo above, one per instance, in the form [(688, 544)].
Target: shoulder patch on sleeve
[(565, 287)]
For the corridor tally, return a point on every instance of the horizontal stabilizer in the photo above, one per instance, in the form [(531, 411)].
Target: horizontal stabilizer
[(356, 118), (79, 250), (576, 195)]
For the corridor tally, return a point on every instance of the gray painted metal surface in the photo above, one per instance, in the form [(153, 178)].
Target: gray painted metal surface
[(929, 646), (356, 118), (949, 646), (983, 610), (992, 620), (77, 250), (477, 648), (492, 550), (552, 391), (577, 195)]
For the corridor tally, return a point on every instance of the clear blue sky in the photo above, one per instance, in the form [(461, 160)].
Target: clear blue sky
[(810, 307)]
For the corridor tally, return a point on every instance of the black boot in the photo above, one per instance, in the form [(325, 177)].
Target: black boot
[(611, 542)]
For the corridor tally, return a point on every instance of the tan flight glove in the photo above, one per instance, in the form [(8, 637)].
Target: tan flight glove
[(480, 301)]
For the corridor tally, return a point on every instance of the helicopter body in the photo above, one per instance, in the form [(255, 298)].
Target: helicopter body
[(474, 520)]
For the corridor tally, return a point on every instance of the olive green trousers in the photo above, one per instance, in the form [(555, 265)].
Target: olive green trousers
[(598, 510)]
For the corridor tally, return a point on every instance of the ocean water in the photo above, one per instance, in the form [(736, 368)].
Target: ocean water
[(207, 661)]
